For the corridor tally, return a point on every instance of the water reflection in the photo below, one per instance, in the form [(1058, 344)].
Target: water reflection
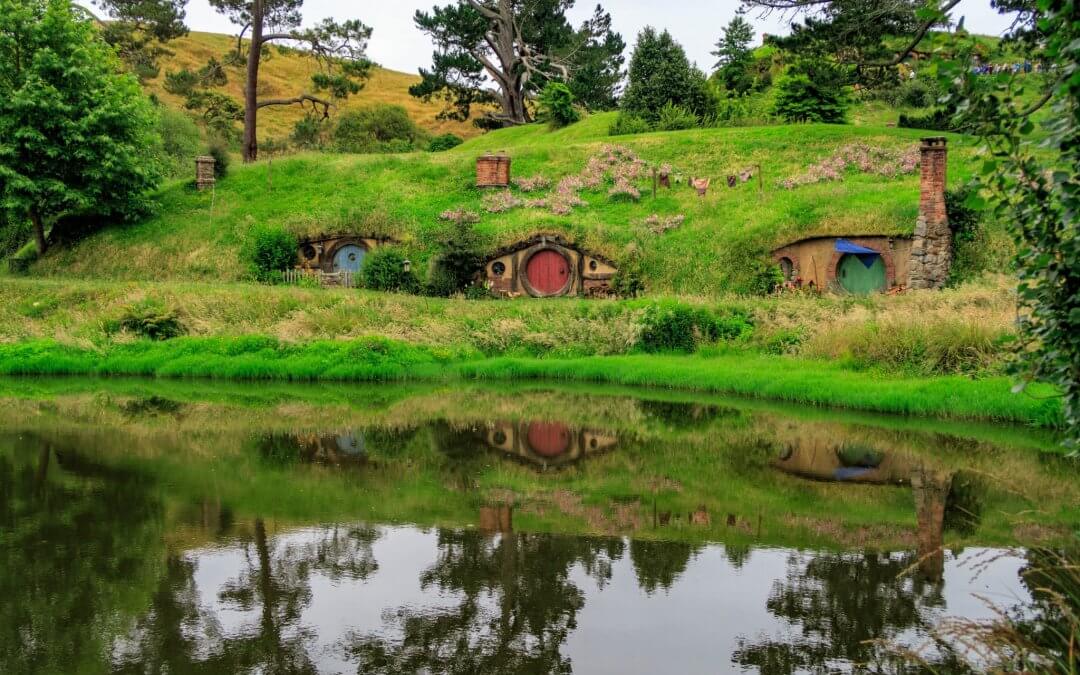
[(428, 542)]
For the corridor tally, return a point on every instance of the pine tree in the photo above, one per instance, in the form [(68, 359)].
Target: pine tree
[(734, 56), (660, 74)]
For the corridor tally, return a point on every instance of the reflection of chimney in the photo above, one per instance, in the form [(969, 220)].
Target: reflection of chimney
[(931, 490), (931, 248)]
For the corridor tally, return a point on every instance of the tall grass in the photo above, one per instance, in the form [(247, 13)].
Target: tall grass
[(379, 359)]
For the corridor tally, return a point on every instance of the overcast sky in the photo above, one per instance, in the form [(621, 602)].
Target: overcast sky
[(697, 24)]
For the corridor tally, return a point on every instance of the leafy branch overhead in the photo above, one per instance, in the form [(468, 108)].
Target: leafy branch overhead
[(517, 46)]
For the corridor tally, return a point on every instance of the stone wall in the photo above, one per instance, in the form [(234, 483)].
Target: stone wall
[(931, 247), (204, 172)]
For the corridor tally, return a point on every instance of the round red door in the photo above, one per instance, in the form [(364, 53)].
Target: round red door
[(547, 271), (548, 439)]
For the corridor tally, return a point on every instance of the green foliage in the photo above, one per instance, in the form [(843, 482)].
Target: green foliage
[(597, 63), (139, 29), (734, 56), (745, 110), (765, 277), (219, 112), (377, 128), (14, 233), (384, 270), (62, 86), (676, 118), (179, 142), (181, 82), (1034, 189), (151, 319), (459, 261), (556, 103), (220, 152), (659, 74), (269, 251), (626, 125), (308, 132), (672, 326), (939, 119), (444, 142), (812, 92)]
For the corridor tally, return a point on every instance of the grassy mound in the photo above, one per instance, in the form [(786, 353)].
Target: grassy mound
[(199, 236)]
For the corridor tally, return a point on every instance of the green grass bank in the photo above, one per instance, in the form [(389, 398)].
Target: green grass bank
[(807, 382)]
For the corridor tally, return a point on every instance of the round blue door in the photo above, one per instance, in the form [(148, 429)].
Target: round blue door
[(349, 258)]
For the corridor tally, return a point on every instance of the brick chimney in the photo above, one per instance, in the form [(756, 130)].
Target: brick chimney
[(931, 247)]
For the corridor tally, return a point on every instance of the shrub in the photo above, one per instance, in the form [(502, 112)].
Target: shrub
[(811, 92), (377, 128), (675, 118), (384, 270), (766, 277), (460, 260), (151, 319), (180, 141), (626, 124), (181, 83), (940, 119), (14, 233), (444, 143), (674, 326), (270, 250), (308, 132), (557, 105), (917, 94), (220, 152)]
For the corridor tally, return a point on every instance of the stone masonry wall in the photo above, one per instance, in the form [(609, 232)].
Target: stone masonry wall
[(931, 248)]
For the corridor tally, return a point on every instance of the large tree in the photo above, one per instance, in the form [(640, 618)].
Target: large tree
[(517, 45), (340, 48), (734, 56), (78, 135), (1033, 186), (660, 74)]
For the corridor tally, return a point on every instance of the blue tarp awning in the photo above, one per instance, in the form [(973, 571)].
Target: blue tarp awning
[(865, 255)]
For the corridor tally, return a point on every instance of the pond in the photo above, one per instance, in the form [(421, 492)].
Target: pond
[(229, 528)]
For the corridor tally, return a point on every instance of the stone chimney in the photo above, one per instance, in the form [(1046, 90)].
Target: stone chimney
[(204, 172), (931, 247)]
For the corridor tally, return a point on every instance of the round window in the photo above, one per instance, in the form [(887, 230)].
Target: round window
[(308, 252), (498, 269), (593, 265), (499, 437)]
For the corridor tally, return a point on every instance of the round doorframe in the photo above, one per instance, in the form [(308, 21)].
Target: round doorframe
[(528, 256)]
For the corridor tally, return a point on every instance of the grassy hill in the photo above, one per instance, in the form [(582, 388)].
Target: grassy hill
[(289, 73), (199, 236)]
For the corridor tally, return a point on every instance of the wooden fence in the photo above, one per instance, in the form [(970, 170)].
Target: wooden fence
[(343, 279)]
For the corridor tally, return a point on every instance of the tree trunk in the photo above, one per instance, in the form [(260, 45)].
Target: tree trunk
[(39, 232), (251, 97)]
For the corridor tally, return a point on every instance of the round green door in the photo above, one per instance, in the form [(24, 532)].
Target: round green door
[(855, 277)]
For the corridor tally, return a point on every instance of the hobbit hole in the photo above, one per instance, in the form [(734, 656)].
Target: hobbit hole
[(547, 266)]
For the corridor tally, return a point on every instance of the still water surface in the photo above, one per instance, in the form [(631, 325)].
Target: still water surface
[(147, 530)]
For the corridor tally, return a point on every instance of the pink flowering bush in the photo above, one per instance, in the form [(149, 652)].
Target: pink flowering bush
[(532, 183), (501, 202), (886, 162), (460, 216), (658, 224)]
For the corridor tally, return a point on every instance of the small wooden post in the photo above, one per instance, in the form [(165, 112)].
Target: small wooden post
[(760, 181), (654, 182)]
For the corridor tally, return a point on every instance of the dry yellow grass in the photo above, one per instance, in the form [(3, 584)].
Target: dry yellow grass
[(289, 74)]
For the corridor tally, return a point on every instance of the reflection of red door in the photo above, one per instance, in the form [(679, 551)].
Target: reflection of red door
[(548, 439), (547, 271)]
